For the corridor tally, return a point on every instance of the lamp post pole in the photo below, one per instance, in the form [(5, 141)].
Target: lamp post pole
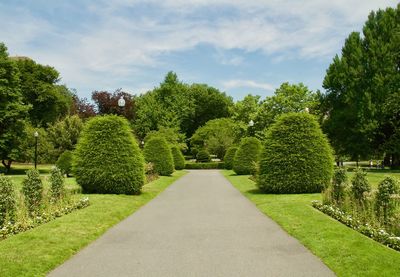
[(36, 134), (251, 124), (121, 104)]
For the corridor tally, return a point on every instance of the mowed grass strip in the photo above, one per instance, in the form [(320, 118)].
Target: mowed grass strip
[(38, 251), (343, 250)]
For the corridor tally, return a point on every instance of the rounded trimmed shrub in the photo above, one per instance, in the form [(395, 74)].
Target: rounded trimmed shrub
[(56, 183), (32, 188), (229, 156), (107, 158), (247, 156), (179, 159), (64, 162), (360, 185), (157, 151), (203, 156), (296, 156)]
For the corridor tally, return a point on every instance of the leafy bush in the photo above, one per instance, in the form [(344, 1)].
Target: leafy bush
[(157, 151), (229, 156), (7, 200), (64, 162), (247, 155), (150, 172), (203, 156), (56, 183), (107, 157), (296, 157), (385, 203), (339, 183), (360, 185), (210, 165), (179, 159), (32, 188)]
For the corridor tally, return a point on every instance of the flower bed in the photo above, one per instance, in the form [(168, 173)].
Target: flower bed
[(10, 228), (377, 234)]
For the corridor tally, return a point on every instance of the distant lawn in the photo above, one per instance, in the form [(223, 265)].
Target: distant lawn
[(345, 251), (375, 176), (38, 251)]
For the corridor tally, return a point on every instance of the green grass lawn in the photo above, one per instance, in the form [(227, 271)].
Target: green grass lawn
[(345, 251), (375, 176), (38, 251)]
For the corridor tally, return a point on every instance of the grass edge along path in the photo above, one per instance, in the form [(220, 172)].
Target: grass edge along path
[(343, 250), (38, 251)]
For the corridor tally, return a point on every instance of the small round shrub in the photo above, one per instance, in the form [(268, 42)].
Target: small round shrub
[(7, 200), (203, 156), (385, 203), (360, 185), (64, 162), (179, 159), (247, 156), (107, 158), (296, 156), (32, 188), (339, 183), (229, 156), (157, 151), (56, 183)]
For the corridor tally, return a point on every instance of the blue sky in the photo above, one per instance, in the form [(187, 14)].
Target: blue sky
[(240, 47)]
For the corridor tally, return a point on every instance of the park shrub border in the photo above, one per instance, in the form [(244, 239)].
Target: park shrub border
[(210, 165), (10, 228), (377, 234)]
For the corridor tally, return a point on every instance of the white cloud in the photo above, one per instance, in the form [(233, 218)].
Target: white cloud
[(231, 84)]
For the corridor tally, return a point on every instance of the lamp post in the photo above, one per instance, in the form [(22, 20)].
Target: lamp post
[(251, 124), (121, 103), (36, 134)]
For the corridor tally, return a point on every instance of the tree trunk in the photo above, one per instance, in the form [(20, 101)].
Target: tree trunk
[(395, 161), (386, 160), (7, 165)]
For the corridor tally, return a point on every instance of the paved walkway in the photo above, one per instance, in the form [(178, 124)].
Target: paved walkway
[(199, 226)]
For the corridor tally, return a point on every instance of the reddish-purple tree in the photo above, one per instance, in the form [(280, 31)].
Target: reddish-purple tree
[(107, 103)]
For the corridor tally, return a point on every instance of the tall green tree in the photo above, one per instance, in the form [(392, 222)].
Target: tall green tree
[(12, 110), (287, 98), (246, 109), (360, 83), (40, 88)]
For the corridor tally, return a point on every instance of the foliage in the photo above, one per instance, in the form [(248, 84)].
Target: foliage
[(179, 159), (229, 156), (339, 183), (39, 88), (287, 98), (385, 203), (32, 188), (157, 151), (203, 156), (376, 234), (360, 185), (206, 165), (218, 135), (64, 162), (107, 103), (45, 149), (247, 156), (107, 158), (172, 136), (56, 184), (82, 107), (360, 85), (7, 200), (64, 133), (246, 109), (150, 172), (296, 157), (12, 110)]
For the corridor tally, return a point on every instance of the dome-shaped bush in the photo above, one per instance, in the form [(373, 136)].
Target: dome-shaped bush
[(229, 156), (64, 162), (247, 155), (203, 156), (107, 157), (296, 156), (179, 159), (157, 151)]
